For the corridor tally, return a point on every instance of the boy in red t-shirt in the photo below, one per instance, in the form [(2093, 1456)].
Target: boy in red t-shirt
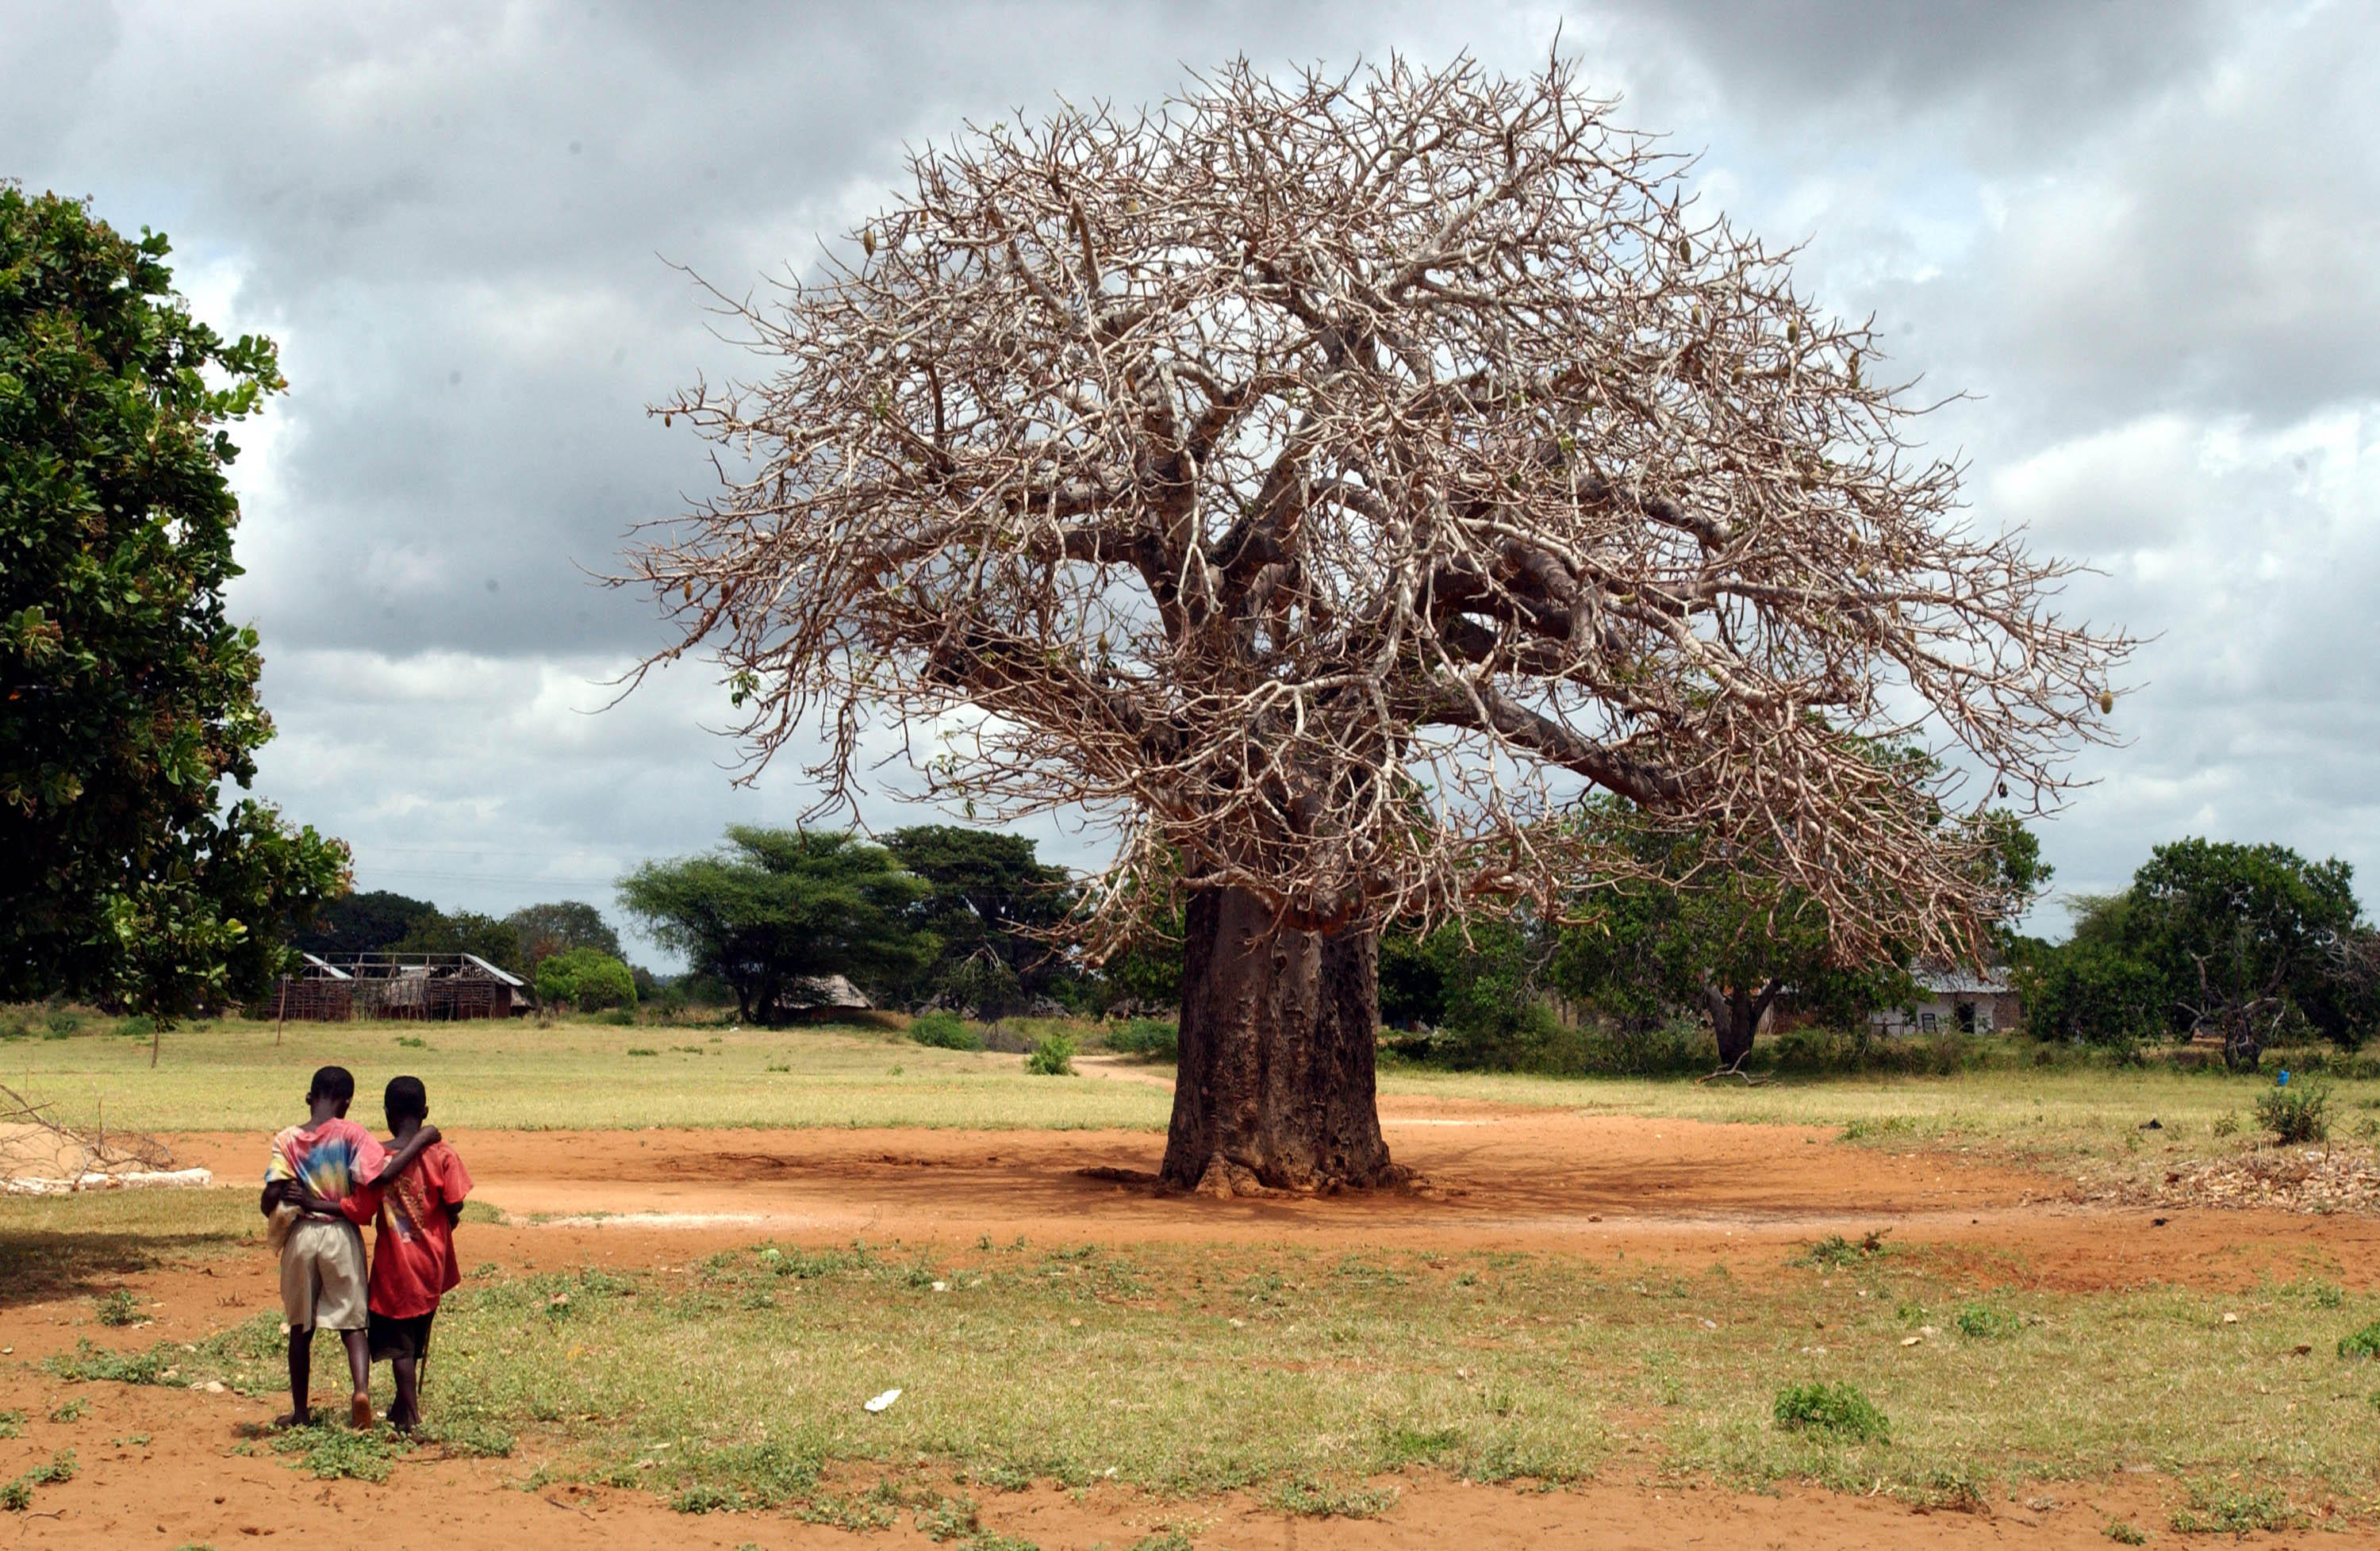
[(316, 1169), (413, 1245)]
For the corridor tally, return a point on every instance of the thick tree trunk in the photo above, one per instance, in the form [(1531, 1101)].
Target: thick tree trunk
[(1275, 1088), (1735, 1018)]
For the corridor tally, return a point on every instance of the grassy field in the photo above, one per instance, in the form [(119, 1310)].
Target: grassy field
[(232, 1075), (1310, 1375)]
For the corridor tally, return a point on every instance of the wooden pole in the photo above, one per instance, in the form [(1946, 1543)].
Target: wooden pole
[(282, 1013)]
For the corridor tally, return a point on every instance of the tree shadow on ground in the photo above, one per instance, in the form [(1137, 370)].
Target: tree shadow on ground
[(43, 1265)]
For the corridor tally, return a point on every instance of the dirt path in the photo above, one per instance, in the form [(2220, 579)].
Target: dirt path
[(1497, 1178)]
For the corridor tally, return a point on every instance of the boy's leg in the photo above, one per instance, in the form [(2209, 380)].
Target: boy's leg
[(358, 1369), (298, 1287), (301, 1363), (405, 1414)]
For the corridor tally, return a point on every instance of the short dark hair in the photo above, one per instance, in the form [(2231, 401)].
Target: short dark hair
[(335, 1083), (405, 1095)]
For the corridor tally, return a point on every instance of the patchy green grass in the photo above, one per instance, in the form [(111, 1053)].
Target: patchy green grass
[(1311, 1375), (230, 1075)]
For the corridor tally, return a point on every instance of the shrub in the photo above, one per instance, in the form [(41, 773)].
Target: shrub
[(1147, 1036), (704, 1498), (2363, 1343), (1834, 1252), (943, 1031), (2229, 1510), (586, 979), (139, 1028), (117, 1308), (1052, 1056), (2295, 1113), (1838, 1409), (1988, 1324)]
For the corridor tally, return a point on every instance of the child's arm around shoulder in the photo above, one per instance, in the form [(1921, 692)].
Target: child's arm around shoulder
[(421, 1141)]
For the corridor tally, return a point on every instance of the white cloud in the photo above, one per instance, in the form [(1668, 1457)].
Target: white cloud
[(2146, 235)]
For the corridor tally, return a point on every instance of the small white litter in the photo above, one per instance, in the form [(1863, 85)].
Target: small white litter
[(884, 1401)]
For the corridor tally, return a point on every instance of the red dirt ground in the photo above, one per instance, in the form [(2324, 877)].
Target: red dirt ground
[(1496, 1178)]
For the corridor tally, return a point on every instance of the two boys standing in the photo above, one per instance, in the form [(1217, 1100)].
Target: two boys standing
[(329, 1177)]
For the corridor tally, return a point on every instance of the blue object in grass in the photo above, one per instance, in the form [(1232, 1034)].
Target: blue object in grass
[(2283, 1082)]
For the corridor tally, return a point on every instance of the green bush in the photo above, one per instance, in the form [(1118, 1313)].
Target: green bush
[(1988, 1324), (137, 1028), (1052, 1056), (702, 1497), (117, 1308), (1147, 1036), (1837, 1409), (586, 979), (944, 1031), (2296, 1112), (2363, 1343)]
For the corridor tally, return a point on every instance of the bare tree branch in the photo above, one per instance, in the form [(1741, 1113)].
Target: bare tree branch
[(1326, 481)]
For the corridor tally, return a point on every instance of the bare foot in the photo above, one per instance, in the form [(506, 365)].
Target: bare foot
[(359, 1415), (289, 1418)]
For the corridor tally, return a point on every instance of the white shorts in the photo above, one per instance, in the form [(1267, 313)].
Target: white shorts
[(323, 1280)]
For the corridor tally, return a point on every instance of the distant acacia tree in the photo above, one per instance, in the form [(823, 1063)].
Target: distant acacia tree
[(991, 905), (130, 872), (1323, 481), (774, 909)]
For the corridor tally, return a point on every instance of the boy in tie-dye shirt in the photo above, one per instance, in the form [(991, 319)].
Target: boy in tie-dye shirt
[(328, 1159)]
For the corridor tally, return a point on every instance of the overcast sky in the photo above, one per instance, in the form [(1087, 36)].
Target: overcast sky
[(2144, 235)]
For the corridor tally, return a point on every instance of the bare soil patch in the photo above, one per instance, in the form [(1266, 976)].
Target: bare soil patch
[(1493, 1178)]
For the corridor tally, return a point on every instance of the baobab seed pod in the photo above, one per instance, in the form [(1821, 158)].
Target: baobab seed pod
[(1686, 252), (867, 241), (2107, 702), (1792, 331)]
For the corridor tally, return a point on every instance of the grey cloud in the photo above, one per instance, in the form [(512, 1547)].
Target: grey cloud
[(2138, 230)]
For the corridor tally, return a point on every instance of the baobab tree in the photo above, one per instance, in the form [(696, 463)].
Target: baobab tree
[(1326, 482)]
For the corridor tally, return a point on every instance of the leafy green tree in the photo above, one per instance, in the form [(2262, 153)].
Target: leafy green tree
[(2244, 937), (991, 905), (466, 931), (1479, 988), (1705, 928), (774, 908), (586, 979), (2240, 941), (366, 923), (128, 872), (2097, 986), (548, 929)]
